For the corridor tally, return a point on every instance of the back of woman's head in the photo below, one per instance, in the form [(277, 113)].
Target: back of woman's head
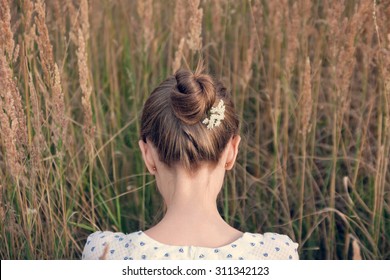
[(173, 119)]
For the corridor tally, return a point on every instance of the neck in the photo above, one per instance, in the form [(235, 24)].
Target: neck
[(191, 199), (192, 217)]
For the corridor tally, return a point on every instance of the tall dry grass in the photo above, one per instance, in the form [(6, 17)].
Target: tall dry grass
[(311, 84)]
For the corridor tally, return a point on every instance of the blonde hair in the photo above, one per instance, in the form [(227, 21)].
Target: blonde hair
[(172, 119)]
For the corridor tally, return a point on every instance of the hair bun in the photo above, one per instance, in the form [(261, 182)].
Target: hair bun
[(193, 96)]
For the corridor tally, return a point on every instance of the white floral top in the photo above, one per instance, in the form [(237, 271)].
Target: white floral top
[(139, 246)]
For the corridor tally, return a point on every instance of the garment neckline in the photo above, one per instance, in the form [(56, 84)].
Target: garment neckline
[(199, 247)]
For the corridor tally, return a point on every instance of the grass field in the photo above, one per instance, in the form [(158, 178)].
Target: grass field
[(311, 84)]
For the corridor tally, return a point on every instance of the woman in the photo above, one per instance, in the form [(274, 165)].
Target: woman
[(189, 138)]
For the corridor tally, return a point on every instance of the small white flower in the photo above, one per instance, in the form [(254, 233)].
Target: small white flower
[(217, 115)]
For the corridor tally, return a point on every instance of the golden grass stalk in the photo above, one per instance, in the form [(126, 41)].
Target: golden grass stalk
[(276, 13), (292, 29), (74, 21), (179, 21), (346, 54), (247, 68), (306, 105), (59, 125), (43, 41), (52, 77), (356, 255), (346, 182), (7, 43), (194, 40), (335, 27), (375, 21), (257, 17), (306, 100), (84, 18), (379, 190), (145, 13), (217, 17), (178, 56), (2, 212), (59, 16), (28, 8), (86, 90), (37, 123), (13, 120)]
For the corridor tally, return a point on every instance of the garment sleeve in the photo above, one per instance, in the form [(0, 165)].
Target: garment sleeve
[(106, 245), (293, 253), (281, 247), (97, 246), (288, 248)]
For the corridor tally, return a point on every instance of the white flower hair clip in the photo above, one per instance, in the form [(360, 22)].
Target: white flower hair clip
[(216, 116)]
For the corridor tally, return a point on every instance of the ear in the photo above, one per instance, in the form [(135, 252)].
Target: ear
[(147, 155), (232, 151)]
